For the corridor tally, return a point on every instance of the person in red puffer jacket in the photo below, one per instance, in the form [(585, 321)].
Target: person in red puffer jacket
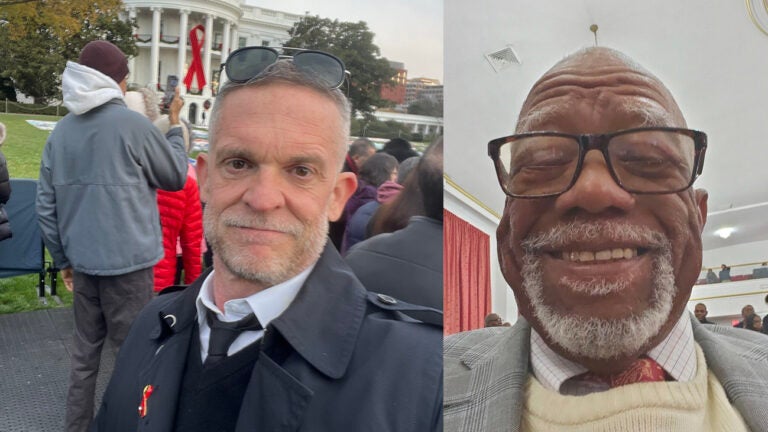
[(181, 218), (181, 214)]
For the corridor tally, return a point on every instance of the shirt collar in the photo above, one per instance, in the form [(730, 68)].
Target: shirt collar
[(676, 355), (266, 304)]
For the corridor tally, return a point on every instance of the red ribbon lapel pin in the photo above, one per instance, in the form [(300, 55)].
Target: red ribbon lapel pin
[(145, 394)]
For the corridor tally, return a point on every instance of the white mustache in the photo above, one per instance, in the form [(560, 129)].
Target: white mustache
[(567, 234), (259, 223)]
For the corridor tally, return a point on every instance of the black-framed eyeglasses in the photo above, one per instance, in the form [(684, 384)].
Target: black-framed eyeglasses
[(247, 63), (654, 160)]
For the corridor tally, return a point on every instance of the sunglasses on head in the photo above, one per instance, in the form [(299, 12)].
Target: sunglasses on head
[(247, 63)]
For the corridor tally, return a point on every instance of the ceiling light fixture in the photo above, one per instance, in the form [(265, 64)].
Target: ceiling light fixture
[(725, 232)]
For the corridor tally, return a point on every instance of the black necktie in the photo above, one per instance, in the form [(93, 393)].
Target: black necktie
[(224, 333)]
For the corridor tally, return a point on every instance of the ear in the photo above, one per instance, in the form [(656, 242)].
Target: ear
[(700, 196), (202, 175), (346, 184)]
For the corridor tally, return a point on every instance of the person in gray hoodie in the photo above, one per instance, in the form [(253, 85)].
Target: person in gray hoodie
[(97, 209)]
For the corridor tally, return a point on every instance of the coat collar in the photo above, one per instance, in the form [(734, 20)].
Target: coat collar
[(321, 324)]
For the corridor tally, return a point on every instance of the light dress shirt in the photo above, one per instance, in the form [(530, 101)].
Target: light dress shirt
[(266, 304), (676, 354)]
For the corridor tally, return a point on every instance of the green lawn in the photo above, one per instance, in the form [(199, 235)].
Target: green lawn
[(23, 148), (24, 144)]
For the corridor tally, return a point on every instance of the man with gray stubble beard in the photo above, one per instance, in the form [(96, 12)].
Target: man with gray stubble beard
[(279, 335), (600, 241)]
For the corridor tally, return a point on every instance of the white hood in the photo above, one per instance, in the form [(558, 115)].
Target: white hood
[(85, 88)]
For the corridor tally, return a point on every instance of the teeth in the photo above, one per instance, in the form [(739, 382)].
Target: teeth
[(603, 255)]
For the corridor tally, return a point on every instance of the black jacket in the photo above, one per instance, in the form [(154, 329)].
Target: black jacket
[(338, 359), (406, 264)]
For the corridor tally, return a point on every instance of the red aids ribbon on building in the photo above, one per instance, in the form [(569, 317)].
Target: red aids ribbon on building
[(196, 68)]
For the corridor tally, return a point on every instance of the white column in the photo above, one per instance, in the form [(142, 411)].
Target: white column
[(182, 55), (154, 56), (234, 39), (225, 41), (132, 60), (207, 51)]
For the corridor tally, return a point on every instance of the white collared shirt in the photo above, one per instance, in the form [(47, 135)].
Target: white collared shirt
[(266, 304), (676, 354)]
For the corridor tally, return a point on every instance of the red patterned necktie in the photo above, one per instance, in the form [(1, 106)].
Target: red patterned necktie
[(644, 369)]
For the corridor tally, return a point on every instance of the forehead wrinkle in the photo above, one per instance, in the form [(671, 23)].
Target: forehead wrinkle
[(643, 97)]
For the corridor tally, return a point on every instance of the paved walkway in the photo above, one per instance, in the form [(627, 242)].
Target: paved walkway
[(34, 369)]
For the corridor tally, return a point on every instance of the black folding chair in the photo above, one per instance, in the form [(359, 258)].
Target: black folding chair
[(24, 253)]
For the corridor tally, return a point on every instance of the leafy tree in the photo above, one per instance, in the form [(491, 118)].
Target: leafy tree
[(427, 107), (39, 36), (353, 44), (373, 128)]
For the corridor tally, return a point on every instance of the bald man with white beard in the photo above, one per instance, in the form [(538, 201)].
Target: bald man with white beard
[(600, 241)]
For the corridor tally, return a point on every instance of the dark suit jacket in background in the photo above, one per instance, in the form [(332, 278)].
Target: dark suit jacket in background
[(406, 264), (336, 360)]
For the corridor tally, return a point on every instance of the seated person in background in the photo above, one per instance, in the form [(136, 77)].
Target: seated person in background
[(700, 310), (712, 277), (746, 310), (493, 320), (760, 272), (753, 322), (378, 169), (725, 273), (408, 264), (357, 227), (602, 271)]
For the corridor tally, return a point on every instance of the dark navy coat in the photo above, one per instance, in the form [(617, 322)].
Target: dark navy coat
[(338, 359)]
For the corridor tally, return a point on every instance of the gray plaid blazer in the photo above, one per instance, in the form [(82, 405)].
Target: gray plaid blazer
[(486, 371)]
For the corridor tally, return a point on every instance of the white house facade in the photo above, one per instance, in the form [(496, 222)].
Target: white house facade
[(166, 48)]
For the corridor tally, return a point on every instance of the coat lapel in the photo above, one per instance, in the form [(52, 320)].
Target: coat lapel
[(741, 366), (321, 326), (489, 393), (165, 371)]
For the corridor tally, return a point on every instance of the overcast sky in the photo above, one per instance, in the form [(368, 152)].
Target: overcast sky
[(408, 31)]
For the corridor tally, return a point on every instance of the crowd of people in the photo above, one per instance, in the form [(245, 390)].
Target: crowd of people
[(749, 319)]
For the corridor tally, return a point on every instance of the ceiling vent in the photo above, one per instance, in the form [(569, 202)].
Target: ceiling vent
[(503, 58)]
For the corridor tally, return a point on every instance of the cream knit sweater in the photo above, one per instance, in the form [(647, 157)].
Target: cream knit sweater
[(697, 405)]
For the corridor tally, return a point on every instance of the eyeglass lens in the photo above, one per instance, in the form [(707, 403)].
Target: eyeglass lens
[(322, 66), (249, 63), (650, 161)]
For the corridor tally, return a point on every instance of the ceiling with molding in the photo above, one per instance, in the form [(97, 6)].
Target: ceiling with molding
[(712, 54)]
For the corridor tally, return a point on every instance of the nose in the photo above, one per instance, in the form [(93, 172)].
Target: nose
[(265, 190), (595, 190)]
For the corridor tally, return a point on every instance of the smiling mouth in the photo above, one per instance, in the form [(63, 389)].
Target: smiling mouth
[(599, 256)]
